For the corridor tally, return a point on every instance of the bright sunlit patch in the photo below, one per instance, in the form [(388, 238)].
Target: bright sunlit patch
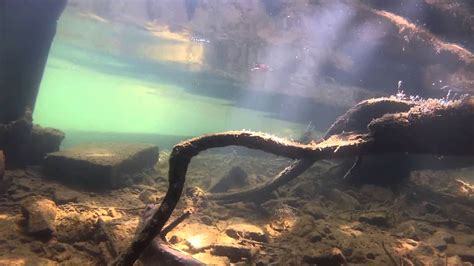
[(348, 230), (94, 17), (164, 32), (405, 245), (196, 241), (186, 53), (13, 261), (5, 217), (465, 187)]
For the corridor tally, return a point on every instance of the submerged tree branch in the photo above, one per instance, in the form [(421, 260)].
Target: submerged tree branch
[(354, 120), (449, 126)]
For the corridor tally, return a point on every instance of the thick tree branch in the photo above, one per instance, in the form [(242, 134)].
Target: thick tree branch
[(428, 127), (355, 119)]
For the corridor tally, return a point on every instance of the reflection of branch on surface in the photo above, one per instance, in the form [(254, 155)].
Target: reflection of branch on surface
[(391, 133)]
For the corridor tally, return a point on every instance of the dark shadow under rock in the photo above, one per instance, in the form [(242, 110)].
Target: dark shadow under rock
[(101, 165), (235, 178)]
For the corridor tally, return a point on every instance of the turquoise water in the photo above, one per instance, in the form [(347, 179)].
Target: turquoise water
[(94, 96)]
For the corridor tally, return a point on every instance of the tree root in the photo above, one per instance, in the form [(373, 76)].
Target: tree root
[(428, 127), (260, 192)]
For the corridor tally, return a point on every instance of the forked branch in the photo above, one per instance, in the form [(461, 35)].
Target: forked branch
[(428, 127)]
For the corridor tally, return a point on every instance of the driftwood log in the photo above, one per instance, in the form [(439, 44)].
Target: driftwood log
[(422, 127)]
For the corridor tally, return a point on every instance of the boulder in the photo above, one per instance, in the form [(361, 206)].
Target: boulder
[(40, 215), (102, 165)]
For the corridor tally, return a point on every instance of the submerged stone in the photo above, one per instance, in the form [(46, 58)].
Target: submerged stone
[(63, 196), (101, 165), (40, 215)]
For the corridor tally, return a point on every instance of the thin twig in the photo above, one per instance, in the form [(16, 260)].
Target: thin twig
[(173, 224), (102, 207), (353, 167)]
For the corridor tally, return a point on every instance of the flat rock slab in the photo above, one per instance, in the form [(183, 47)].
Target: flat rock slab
[(100, 165)]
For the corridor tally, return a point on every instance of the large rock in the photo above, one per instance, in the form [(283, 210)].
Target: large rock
[(40, 215), (101, 165)]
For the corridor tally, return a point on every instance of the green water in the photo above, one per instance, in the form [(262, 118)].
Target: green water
[(91, 104)]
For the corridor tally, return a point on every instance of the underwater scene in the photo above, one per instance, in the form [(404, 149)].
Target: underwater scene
[(237, 132)]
